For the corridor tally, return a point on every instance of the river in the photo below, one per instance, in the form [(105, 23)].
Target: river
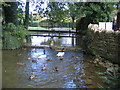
[(75, 71)]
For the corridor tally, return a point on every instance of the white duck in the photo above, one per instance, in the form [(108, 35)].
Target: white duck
[(37, 54), (42, 56), (60, 54)]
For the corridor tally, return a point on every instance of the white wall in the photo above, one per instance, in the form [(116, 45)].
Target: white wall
[(102, 25), (108, 25), (105, 25)]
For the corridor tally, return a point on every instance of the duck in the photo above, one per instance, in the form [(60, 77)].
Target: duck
[(77, 57), (19, 54), (29, 58), (42, 56), (44, 67), (60, 54), (20, 63), (43, 51), (37, 54), (34, 61), (61, 59), (32, 76), (56, 69), (49, 59), (75, 79), (73, 56)]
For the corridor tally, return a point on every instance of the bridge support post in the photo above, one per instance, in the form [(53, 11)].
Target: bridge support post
[(59, 33)]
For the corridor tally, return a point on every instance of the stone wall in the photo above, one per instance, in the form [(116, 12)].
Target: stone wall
[(105, 43)]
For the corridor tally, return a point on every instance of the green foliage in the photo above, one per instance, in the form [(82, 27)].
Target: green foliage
[(35, 24), (13, 36), (96, 11), (99, 11), (75, 9), (10, 13), (93, 53), (20, 16), (4, 4), (109, 78), (56, 11), (101, 87)]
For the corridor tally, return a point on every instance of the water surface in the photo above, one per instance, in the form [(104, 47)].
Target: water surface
[(75, 71)]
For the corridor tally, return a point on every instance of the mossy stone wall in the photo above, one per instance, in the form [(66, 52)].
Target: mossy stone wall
[(104, 43)]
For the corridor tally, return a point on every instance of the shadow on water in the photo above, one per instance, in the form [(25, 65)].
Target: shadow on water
[(71, 68)]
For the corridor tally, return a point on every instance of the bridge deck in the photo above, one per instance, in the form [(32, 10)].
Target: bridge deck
[(53, 30), (52, 35)]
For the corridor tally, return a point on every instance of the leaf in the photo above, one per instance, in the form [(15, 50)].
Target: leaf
[(109, 73), (105, 79), (101, 73), (100, 86), (111, 77)]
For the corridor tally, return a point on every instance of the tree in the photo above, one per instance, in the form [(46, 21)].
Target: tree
[(100, 11), (26, 21), (20, 13), (118, 17), (56, 11), (10, 13), (74, 11), (95, 12), (13, 34)]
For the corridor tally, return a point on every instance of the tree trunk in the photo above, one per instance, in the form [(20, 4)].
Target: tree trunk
[(118, 21), (26, 21), (10, 13), (73, 19)]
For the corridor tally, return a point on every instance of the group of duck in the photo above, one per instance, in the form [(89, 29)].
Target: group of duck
[(42, 56)]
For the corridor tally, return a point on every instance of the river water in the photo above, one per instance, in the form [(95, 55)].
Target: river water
[(75, 71)]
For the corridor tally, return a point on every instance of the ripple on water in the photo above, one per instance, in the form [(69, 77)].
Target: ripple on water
[(48, 78)]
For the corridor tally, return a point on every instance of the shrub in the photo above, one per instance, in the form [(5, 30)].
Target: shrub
[(13, 36)]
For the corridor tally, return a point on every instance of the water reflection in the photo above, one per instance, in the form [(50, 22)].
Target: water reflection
[(64, 78), (59, 41), (71, 69)]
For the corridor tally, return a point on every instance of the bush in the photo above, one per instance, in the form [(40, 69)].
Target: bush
[(13, 36), (35, 24)]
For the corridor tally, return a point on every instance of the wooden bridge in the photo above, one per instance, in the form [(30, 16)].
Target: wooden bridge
[(52, 35), (52, 30)]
